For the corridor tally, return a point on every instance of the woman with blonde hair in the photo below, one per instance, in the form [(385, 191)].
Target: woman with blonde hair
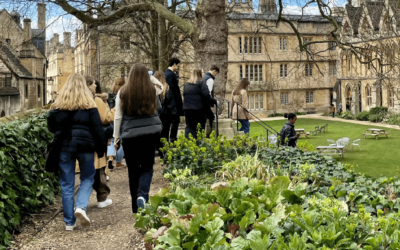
[(138, 125), (106, 117), (161, 77), (240, 104), (75, 122), (196, 102)]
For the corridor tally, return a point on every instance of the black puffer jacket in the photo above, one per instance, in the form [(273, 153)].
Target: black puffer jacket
[(86, 134), (197, 96), (173, 97), (288, 132)]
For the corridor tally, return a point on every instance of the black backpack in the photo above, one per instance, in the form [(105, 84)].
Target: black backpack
[(111, 100)]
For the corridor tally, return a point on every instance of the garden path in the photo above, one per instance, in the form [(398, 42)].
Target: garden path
[(111, 228), (329, 118)]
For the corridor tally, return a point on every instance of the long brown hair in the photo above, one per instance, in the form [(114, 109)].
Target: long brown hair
[(138, 95), (196, 76), (244, 83), (118, 85), (161, 77)]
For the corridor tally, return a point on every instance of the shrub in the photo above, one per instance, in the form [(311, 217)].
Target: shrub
[(394, 119), (306, 146), (376, 117), (24, 185), (300, 113), (347, 115), (363, 116), (275, 115), (378, 110)]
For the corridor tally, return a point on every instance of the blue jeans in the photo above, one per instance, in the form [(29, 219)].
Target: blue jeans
[(111, 151), (67, 182), (245, 126)]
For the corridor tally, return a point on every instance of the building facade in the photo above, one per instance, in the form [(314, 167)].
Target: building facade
[(22, 62)]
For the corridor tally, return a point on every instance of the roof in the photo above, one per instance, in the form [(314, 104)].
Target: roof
[(354, 14), (12, 61), (274, 17), (395, 6), (375, 12), (9, 91), (39, 39)]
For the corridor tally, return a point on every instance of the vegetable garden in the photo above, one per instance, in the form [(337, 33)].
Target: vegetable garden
[(244, 194)]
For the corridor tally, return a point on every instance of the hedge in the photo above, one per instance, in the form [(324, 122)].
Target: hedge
[(25, 187)]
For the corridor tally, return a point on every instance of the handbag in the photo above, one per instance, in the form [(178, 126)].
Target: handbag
[(53, 151)]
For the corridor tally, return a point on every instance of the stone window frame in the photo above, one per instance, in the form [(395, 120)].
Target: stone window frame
[(256, 101), (391, 98), (283, 44), (309, 96), (283, 70), (308, 69), (332, 69), (284, 98), (254, 72), (368, 94), (26, 91)]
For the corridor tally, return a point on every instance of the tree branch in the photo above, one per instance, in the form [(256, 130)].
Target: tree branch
[(181, 24)]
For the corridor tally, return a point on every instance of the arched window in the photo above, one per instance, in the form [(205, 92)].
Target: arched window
[(349, 97), (368, 94), (391, 98)]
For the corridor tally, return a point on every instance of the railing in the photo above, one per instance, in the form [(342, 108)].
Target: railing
[(268, 129)]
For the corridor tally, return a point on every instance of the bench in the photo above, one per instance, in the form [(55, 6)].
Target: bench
[(316, 131), (322, 129), (376, 135), (330, 150)]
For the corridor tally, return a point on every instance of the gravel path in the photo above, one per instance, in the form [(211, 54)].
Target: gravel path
[(111, 227)]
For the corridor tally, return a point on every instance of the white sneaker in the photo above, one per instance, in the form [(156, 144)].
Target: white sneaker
[(70, 228), (140, 202), (107, 178), (80, 214), (104, 204)]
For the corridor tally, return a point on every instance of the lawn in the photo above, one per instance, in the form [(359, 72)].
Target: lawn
[(377, 157)]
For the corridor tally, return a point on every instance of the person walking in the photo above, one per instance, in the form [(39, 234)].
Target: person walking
[(106, 117), (111, 152), (333, 110), (75, 110), (239, 103), (197, 100), (138, 125), (209, 78), (172, 110), (288, 134)]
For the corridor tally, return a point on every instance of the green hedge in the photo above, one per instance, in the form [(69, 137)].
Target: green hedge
[(363, 116), (24, 185)]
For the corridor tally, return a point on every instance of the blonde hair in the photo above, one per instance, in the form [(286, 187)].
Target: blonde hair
[(161, 77), (74, 95), (195, 76)]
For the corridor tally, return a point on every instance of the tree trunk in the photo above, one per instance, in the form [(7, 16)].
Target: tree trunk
[(162, 40), (211, 41), (154, 40)]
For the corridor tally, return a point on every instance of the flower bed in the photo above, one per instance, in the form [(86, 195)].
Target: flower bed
[(268, 198)]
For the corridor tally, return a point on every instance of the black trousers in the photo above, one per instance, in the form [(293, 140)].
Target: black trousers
[(139, 156), (170, 124), (193, 118)]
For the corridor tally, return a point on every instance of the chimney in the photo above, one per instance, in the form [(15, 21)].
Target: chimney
[(27, 30), (67, 40), (47, 48), (56, 39), (41, 15)]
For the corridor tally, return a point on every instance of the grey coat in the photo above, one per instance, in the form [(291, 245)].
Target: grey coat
[(288, 131)]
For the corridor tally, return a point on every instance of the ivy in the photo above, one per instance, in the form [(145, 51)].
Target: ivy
[(25, 186)]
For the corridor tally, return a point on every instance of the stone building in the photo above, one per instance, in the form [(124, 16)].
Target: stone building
[(60, 63), (22, 62), (370, 77)]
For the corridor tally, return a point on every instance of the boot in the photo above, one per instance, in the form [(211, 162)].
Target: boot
[(110, 163), (120, 165)]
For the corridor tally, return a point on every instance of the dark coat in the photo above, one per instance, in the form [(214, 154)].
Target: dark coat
[(86, 134), (206, 77), (288, 132), (111, 100), (173, 98), (197, 96)]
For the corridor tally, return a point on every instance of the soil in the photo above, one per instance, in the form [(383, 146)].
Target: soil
[(111, 227)]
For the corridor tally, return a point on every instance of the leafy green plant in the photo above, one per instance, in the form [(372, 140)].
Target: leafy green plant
[(379, 110), (347, 115), (393, 119), (363, 116), (306, 146), (24, 185), (275, 115)]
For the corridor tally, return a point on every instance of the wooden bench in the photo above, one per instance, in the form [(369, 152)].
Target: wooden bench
[(367, 134), (331, 150), (322, 129), (301, 131), (316, 131)]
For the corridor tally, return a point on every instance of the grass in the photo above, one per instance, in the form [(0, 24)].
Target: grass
[(377, 157)]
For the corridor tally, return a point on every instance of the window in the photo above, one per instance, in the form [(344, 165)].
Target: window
[(369, 95), (240, 45), (255, 45), (123, 72), (284, 98), (282, 44), (125, 43), (260, 45), (251, 45), (246, 41), (283, 70), (6, 79), (26, 92), (332, 45), (308, 69), (252, 72), (38, 91), (391, 99), (256, 101), (332, 68), (309, 97), (307, 40)]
